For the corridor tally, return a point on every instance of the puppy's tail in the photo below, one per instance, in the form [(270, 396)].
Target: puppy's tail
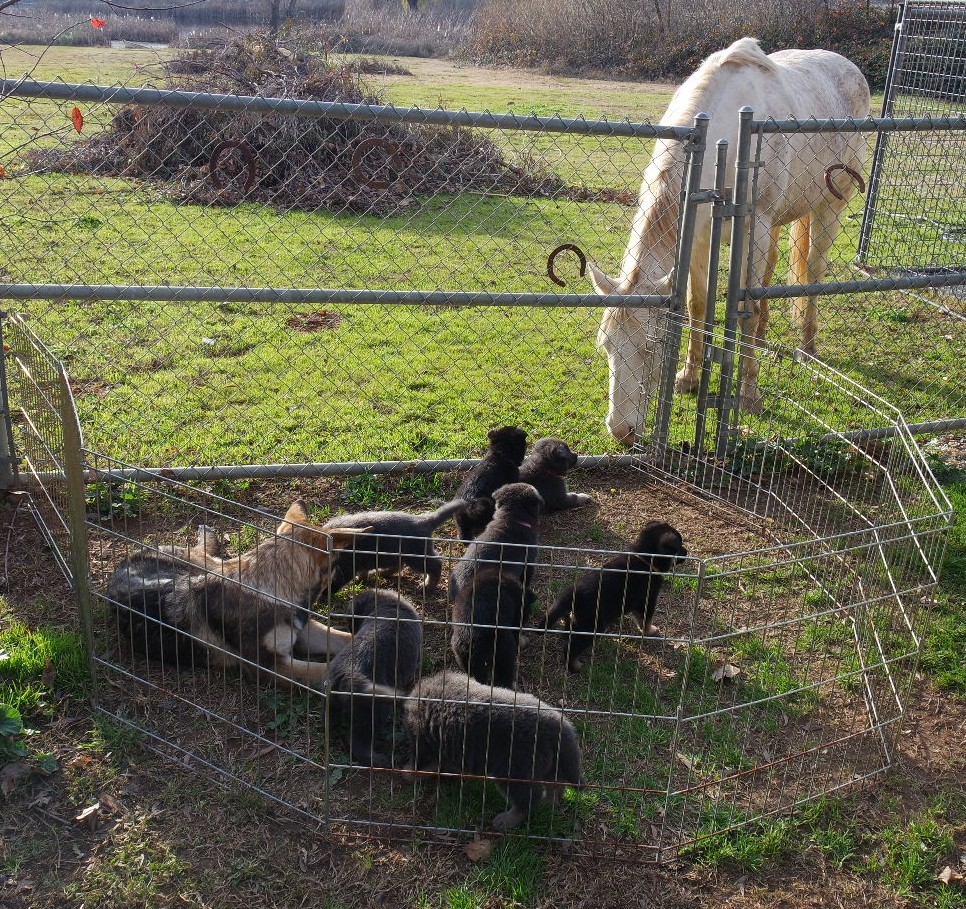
[(559, 610), (432, 519)]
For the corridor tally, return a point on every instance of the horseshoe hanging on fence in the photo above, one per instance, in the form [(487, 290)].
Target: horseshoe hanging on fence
[(395, 159), (553, 255), (854, 174), (248, 155)]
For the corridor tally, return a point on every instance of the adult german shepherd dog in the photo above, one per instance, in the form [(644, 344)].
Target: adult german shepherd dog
[(183, 606)]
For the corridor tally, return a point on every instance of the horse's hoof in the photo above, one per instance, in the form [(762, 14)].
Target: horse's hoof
[(685, 382)]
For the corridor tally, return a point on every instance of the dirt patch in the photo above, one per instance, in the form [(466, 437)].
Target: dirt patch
[(315, 321)]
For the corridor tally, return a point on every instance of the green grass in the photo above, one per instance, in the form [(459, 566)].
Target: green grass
[(27, 655)]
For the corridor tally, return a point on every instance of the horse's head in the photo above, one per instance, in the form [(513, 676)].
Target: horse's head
[(632, 339)]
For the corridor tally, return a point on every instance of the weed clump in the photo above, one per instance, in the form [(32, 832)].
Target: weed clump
[(223, 157)]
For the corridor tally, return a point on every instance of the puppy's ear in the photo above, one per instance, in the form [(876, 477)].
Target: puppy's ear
[(296, 514), (493, 434), (345, 537)]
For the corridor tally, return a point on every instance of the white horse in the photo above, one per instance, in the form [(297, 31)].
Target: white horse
[(795, 187)]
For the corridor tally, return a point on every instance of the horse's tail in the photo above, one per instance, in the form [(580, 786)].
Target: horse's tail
[(804, 310)]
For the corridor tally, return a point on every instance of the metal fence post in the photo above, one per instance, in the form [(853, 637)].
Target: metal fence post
[(736, 280), (8, 458), (714, 255), (77, 515), (682, 266)]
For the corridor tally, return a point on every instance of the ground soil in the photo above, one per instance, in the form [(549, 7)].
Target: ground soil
[(217, 845)]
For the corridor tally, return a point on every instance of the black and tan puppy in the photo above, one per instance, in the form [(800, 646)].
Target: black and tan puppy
[(488, 615), (395, 539), (545, 469), (383, 656), (629, 582), (526, 746), (507, 541), (252, 610), (500, 465)]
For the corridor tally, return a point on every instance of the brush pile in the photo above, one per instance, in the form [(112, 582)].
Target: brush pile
[(289, 162)]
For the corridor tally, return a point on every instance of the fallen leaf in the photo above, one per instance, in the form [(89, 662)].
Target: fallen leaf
[(725, 672), (97, 23), (89, 815), (478, 850), (689, 762), (49, 675), (77, 118), (11, 773), (949, 876), (3, 172), (3, 653)]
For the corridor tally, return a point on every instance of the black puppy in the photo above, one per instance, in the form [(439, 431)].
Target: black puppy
[(507, 540), (527, 746), (545, 468), (500, 465), (489, 614), (397, 538), (626, 583), (384, 656)]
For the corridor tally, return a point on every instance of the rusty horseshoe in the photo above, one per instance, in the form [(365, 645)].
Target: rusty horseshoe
[(395, 158), (854, 174), (553, 255), (247, 154)]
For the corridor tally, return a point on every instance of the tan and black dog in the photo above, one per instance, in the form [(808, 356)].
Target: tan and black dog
[(183, 606)]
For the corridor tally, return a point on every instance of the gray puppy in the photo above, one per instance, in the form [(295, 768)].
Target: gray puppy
[(397, 538), (384, 656), (528, 747), (545, 468), (507, 541)]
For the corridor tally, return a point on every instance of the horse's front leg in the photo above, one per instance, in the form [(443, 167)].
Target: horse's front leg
[(689, 376)]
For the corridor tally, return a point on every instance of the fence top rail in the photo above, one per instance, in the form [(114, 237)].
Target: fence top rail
[(65, 91), (868, 125)]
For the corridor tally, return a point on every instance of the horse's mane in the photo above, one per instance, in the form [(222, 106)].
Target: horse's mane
[(659, 207), (692, 97)]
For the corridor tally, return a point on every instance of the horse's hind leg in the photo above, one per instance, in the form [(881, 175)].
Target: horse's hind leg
[(754, 324), (824, 227)]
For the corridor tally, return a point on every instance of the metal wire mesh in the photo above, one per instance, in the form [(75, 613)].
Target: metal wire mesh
[(429, 210), (913, 217), (897, 337)]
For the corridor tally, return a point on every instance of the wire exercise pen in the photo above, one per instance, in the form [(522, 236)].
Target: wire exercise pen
[(812, 606)]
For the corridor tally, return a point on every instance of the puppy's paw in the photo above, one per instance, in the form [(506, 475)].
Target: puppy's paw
[(582, 500), (653, 631)]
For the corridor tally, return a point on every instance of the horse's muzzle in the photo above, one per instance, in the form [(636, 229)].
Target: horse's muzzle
[(621, 430)]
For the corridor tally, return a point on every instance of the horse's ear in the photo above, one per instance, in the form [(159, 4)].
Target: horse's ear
[(602, 284), (666, 284)]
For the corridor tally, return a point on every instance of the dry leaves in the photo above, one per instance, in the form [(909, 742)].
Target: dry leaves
[(950, 876), (479, 850), (49, 675)]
